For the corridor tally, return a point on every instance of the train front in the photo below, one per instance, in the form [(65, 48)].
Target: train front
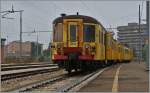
[(73, 41)]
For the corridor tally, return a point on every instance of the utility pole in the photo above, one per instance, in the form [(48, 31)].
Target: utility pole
[(13, 11), (139, 32), (147, 16), (147, 22), (7, 46), (21, 34), (37, 31), (37, 46), (140, 37)]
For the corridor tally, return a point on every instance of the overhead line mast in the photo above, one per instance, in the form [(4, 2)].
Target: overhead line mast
[(13, 11)]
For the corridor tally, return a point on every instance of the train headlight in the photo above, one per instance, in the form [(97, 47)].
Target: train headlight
[(87, 46), (52, 46), (93, 50), (58, 46)]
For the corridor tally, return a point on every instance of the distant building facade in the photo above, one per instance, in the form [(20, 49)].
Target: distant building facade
[(29, 49), (2, 54), (129, 35)]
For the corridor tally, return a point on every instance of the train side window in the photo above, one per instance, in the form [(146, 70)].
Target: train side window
[(99, 36), (58, 33), (119, 48), (111, 41), (103, 37), (108, 40), (112, 44)]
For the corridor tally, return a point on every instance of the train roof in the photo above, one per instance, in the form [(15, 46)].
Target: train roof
[(86, 19)]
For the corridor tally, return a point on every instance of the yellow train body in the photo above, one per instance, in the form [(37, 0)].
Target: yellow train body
[(69, 44), (106, 48)]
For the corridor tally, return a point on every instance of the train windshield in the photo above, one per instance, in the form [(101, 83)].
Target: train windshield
[(58, 33), (73, 29), (89, 33)]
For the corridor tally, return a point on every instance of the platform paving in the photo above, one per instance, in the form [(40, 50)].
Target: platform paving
[(132, 77)]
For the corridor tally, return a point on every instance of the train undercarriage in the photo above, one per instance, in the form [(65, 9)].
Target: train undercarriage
[(84, 65), (76, 65)]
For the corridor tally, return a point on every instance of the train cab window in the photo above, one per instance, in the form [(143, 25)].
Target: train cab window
[(89, 33), (73, 29), (58, 33)]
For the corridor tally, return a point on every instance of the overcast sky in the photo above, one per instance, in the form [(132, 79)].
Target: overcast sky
[(39, 15)]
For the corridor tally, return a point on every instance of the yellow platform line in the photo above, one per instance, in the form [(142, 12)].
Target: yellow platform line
[(115, 83)]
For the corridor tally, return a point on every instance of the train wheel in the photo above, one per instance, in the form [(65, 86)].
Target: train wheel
[(76, 69), (69, 71)]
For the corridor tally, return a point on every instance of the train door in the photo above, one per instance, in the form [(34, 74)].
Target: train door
[(74, 33)]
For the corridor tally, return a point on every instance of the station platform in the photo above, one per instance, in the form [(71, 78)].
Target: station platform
[(134, 78), (131, 77)]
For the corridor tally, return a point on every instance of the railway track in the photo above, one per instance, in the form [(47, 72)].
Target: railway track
[(16, 67), (63, 83), (24, 64), (13, 74), (17, 83)]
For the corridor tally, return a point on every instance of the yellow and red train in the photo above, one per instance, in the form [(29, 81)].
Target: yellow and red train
[(81, 42)]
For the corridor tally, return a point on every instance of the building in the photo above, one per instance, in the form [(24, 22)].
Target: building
[(2, 50), (29, 49), (129, 35)]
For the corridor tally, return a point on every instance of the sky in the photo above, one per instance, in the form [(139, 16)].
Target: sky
[(39, 15)]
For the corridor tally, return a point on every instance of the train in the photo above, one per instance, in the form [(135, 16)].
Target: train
[(82, 43)]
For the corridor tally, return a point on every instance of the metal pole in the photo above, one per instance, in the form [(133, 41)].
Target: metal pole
[(20, 35), (7, 47), (147, 15), (37, 46), (147, 22), (140, 35)]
